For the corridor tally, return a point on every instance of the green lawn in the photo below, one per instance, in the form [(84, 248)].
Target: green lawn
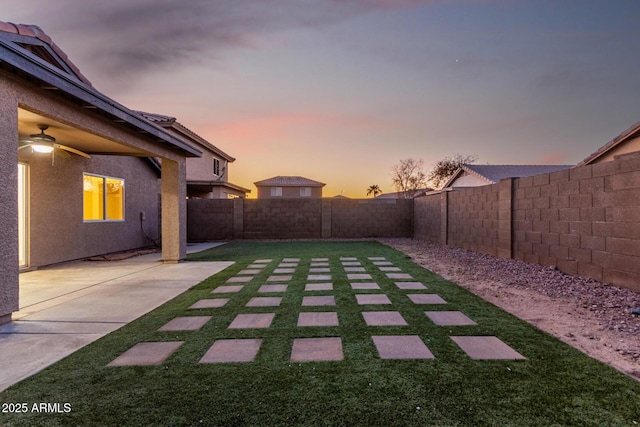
[(555, 385)]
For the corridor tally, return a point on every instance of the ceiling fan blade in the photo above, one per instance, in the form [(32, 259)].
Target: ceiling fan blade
[(72, 150), (62, 153), (20, 147)]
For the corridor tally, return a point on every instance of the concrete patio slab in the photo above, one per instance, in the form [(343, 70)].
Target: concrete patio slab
[(318, 287), (364, 285), (317, 301), (449, 318), (486, 348), (316, 349), (147, 353), (210, 303), (358, 276), (252, 321), (410, 286), (318, 319), (264, 289), (426, 299), (316, 277), (67, 306), (227, 289), (365, 299), (234, 350), (264, 302), (401, 347), (186, 323), (383, 318)]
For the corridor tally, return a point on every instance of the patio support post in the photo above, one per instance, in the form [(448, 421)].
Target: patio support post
[(174, 210), (9, 282)]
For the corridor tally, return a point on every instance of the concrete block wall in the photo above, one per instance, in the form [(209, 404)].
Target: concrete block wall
[(355, 218), (584, 221), (282, 219), (210, 221)]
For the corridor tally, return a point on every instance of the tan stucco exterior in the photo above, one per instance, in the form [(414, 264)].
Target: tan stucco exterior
[(288, 192), (628, 146)]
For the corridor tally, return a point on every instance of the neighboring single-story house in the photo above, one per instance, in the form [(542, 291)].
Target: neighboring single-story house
[(627, 142), (469, 175), (289, 187), (74, 165), (207, 176), (404, 194)]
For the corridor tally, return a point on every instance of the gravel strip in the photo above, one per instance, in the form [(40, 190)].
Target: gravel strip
[(606, 309)]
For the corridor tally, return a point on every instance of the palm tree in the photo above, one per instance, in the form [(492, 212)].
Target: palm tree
[(374, 189)]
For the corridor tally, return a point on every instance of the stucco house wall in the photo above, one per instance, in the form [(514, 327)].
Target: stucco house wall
[(264, 192)]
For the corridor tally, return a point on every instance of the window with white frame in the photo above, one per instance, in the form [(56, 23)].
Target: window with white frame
[(216, 167), (103, 198), (305, 191), (276, 191)]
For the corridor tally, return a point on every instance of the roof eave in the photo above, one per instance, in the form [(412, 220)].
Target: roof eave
[(12, 56)]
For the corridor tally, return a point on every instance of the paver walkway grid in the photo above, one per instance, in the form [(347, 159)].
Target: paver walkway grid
[(388, 303)]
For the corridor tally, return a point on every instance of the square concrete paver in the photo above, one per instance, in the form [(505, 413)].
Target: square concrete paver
[(449, 318), (383, 318), (317, 301), (264, 289), (390, 269), (239, 279), (227, 289), (320, 270), (254, 266), (210, 303), (288, 265), (186, 323), (426, 299), (318, 319), (228, 351), (264, 302), (318, 287), (382, 263), (250, 321), (354, 269), (279, 278), (410, 285), (399, 276), (351, 263), (319, 264), (249, 271), (316, 349), (342, 258), (315, 277), (376, 258), (358, 276), (364, 285), (486, 347), (147, 353), (401, 347), (291, 260), (262, 261), (319, 259), (365, 299), (284, 270)]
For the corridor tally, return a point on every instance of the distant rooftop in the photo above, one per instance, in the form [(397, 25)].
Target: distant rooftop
[(495, 173), (289, 181)]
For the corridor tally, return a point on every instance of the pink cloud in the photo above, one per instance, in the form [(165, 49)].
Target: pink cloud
[(553, 158)]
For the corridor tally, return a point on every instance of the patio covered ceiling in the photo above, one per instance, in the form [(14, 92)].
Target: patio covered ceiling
[(75, 138)]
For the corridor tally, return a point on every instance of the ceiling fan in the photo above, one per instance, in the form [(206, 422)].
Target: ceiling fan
[(43, 143)]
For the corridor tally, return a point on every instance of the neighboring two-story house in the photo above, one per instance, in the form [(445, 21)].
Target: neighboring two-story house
[(289, 187)]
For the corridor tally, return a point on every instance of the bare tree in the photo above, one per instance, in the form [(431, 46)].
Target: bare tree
[(446, 167), (373, 189), (408, 177)]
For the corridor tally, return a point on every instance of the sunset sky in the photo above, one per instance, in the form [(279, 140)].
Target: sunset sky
[(340, 90)]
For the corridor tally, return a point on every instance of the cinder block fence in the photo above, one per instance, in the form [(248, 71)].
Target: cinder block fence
[(584, 221)]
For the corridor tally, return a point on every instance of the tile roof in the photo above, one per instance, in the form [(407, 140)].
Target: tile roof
[(630, 133), (35, 32), (289, 181)]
